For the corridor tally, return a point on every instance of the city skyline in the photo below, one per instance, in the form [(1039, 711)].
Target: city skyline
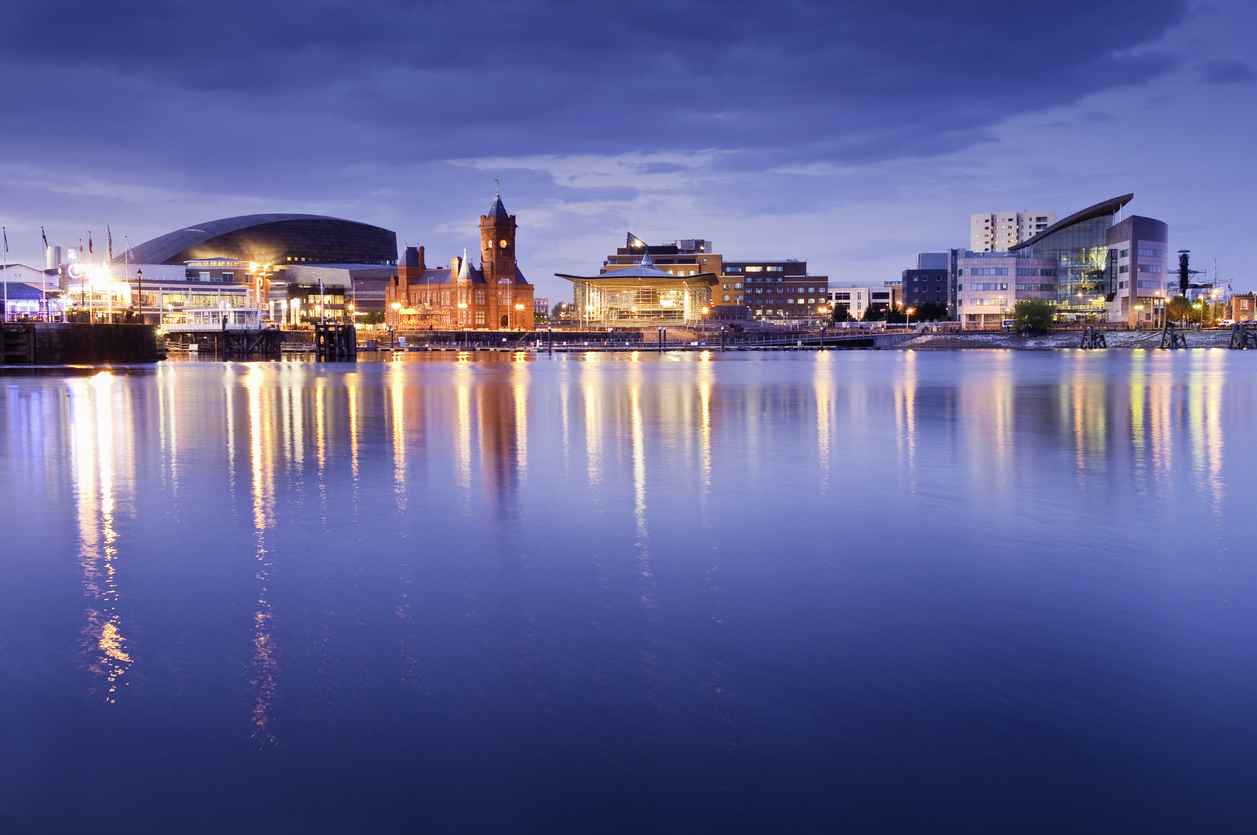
[(854, 139)]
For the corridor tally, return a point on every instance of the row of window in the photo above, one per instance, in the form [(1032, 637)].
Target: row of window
[(785, 289), (1037, 288), (973, 287), (987, 271), (1150, 253), (755, 269), (1150, 268), (1029, 271)]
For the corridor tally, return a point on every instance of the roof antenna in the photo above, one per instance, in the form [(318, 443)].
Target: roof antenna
[(497, 188)]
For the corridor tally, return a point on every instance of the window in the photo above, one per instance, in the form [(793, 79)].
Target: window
[(989, 271), (480, 297), (1123, 269), (1150, 253), (842, 297), (1149, 285), (726, 296), (1150, 268), (229, 277), (203, 276), (479, 317), (754, 269), (737, 285), (739, 300), (1125, 253), (774, 269)]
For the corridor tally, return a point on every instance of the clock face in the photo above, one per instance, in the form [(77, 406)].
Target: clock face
[(502, 243)]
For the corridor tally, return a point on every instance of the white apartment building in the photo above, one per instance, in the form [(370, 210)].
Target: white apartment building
[(857, 298), (996, 233)]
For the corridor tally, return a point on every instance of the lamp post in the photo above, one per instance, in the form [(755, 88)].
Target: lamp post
[(908, 323), (519, 310), (139, 282)]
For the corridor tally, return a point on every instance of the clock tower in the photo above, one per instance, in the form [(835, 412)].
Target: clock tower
[(497, 244)]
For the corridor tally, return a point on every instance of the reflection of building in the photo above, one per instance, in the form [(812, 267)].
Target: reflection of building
[(495, 296), (999, 232)]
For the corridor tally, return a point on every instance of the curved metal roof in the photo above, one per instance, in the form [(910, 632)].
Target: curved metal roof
[(1108, 207), (160, 250)]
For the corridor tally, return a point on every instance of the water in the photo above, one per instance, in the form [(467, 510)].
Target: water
[(856, 591)]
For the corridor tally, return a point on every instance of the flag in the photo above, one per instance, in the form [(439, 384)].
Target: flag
[(109, 232), (45, 237), (89, 241), (6, 241)]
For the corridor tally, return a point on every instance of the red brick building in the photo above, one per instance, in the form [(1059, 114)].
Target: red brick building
[(494, 296)]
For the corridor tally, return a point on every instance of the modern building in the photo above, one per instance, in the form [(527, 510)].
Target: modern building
[(493, 296), (999, 232), (780, 289), (28, 293), (930, 281), (1137, 262), (274, 239), (1105, 270), (989, 285), (294, 268), (644, 294), (856, 299)]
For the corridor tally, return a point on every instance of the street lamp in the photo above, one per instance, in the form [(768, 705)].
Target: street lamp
[(910, 311), (139, 281)]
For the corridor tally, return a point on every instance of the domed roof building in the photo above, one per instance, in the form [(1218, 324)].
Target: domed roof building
[(278, 239)]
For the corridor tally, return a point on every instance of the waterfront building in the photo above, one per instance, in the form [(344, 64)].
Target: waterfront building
[(780, 289), (1244, 307), (930, 281), (292, 268), (989, 285), (644, 294), (999, 232), (774, 289), (540, 306), (856, 299), (274, 239), (1137, 260), (1105, 270), (493, 296)]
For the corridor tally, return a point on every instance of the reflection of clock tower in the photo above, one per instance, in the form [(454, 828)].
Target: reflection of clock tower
[(497, 244)]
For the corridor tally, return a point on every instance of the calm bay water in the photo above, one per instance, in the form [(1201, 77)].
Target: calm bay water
[(864, 591)]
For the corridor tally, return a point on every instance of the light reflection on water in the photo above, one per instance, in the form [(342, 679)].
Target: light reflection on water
[(716, 588)]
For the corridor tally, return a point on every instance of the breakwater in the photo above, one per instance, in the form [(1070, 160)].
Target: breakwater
[(55, 343)]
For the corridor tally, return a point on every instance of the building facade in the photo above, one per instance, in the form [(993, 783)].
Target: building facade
[(495, 296), (989, 285), (1137, 263), (999, 232), (780, 289), (856, 299), (1244, 307)]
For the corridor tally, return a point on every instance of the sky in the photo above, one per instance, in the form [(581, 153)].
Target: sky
[(852, 135)]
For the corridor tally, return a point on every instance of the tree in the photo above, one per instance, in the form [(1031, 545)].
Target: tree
[(838, 313), (1178, 309), (931, 312), (1033, 316), (874, 313), (556, 312)]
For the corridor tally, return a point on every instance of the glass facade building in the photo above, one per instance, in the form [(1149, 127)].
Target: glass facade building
[(1078, 247)]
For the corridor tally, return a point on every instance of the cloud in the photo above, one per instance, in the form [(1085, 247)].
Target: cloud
[(263, 89), (1226, 71)]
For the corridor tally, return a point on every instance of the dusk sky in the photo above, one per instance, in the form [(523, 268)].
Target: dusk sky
[(852, 135)]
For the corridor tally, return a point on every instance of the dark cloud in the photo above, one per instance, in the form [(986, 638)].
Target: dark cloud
[(1227, 70), (259, 88)]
